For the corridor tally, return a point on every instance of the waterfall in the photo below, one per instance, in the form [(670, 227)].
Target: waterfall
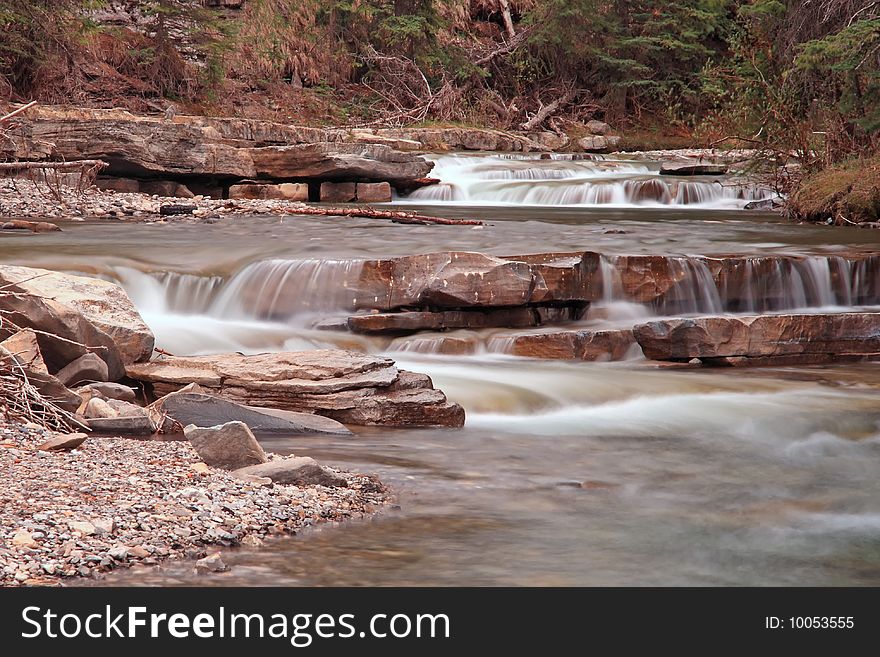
[(750, 285), (528, 180)]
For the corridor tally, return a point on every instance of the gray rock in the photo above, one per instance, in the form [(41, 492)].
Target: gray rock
[(210, 564), (122, 426), (230, 446), (296, 470), (205, 410), (110, 391)]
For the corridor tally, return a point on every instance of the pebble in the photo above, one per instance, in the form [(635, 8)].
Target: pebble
[(76, 514)]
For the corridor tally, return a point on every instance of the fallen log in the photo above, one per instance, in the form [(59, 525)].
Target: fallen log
[(13, 113), (58, 166), (546, 111), (396, 216)]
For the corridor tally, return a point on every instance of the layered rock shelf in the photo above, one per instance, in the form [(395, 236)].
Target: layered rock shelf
[(349, 387), (763, 339)]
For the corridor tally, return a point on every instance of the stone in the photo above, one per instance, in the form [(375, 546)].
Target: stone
[(83, 527), (408, 322), (201, 468), (22, 538), (550, 141), (96, 408), (87, 368), (139, 425), (122, 185), (210, 564), (598, 127), (692, 169), (295, 470), (166, 188), (593, 144), (63, 442), (283, 191), (205, 410), (109, 391), (341, 192), (337, 161), (33, 226), (587, 345), (229, 446), (24, 346), (86, 310), (379, 192), (798, 337), (331, 383)]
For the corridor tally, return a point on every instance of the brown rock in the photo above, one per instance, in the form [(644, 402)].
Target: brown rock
[(338, 161), (167, 188), (63, 442), (295, 470), (327, 382), (343, 192), (26, 350), (374, 192), (608, 345), (86, 310), (837, 334), (230, 446), (284, 191)]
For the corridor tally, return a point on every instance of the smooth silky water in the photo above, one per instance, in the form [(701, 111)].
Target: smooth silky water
[(565, 473)]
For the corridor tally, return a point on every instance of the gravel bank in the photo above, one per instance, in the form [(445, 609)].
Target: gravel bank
[(26, 199), (115, 502)]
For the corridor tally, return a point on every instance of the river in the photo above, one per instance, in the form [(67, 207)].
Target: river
[(566, 473)]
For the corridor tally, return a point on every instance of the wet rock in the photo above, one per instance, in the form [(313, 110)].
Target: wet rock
[(408, 322), (294, 470), (346, 386), (588, 345), (83, 310), (230, 446), (692, 169), (205, 410), (86, 368), (210, 564), (795, 336), (63, 442)]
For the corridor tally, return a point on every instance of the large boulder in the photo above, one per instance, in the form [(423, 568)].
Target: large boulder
[(349, 387), (229, 446), (80, 300), (22, 349), (839, 335)]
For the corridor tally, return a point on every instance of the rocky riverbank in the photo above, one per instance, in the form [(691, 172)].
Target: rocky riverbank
[(113, 502)]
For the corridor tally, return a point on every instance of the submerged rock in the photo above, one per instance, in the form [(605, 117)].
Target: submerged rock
[(295, 470)]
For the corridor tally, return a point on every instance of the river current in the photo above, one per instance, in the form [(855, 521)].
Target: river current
[(566, 473)]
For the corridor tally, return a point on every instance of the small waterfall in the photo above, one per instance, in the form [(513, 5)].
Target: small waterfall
[(281, 289), (170, 291), (555, 181), (750, 285)]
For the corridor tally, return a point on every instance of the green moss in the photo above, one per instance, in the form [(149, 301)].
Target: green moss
[(848, 192)]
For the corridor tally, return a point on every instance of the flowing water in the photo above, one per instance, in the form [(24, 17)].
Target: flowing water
[(565, 473)]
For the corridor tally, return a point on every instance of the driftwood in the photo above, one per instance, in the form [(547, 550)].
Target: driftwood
[(7, 117), (505, 15), (57, 166), (396, 216), (547, 110)]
